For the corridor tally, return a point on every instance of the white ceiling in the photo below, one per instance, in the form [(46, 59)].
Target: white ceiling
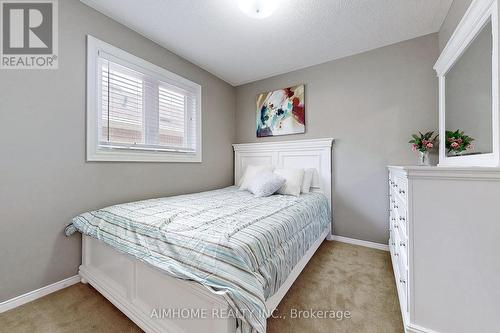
[(217, 36)]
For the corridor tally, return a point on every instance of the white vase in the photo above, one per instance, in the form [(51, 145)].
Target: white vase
[(423, 158)]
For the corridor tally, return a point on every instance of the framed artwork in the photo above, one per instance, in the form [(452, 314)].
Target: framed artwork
[(281, 112)]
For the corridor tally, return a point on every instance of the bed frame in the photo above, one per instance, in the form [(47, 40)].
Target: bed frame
[(157, 302)]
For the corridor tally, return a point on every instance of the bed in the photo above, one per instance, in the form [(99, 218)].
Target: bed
[(217, 261)]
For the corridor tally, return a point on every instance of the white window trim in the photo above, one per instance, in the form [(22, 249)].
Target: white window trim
[(95, 153)]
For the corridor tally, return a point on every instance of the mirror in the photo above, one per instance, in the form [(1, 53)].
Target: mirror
[(468, 98)]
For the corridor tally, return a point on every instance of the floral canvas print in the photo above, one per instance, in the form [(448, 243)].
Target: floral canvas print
[(281, 112)]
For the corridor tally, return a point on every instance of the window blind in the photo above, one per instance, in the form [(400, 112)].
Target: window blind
[(142, 112)]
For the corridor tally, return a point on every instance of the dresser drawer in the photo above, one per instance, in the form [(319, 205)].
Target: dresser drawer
[(399, 235), (397, 221), (401, 220), (400, 267), (395, 226), (392, 241), (403, 287), (392, 185), (396, 202), (400, 187), (403, 253), (397, 248), (401, 241), (394, 256), (403, 249)]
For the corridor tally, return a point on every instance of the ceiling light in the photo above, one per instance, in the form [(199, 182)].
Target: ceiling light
[(258, 9)]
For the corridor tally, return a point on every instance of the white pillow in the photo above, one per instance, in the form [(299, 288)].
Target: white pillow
[(265, 183), (250, 172), (307, 181), (293, 178)]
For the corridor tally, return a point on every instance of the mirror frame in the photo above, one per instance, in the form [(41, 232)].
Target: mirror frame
[(477, 16)]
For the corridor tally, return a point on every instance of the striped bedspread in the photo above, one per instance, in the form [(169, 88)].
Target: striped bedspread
[(226, 239)]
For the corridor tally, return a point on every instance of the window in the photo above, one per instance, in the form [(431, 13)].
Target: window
[(137, 111)]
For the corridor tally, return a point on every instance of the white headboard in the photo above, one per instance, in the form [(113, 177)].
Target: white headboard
[(316, 154)]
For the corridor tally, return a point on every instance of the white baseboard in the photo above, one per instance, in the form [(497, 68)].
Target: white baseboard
[(354, 241), (35, 294)]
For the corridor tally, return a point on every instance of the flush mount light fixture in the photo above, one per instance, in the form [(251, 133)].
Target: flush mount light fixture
[(258, 9)]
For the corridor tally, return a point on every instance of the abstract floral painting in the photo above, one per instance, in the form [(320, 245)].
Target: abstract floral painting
[(281, 112)]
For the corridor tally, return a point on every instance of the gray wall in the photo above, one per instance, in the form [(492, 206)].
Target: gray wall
[(45, 180), (370, 103), (455, 14)]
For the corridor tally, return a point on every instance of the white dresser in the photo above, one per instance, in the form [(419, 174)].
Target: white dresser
[(399, 229), (445, 247)]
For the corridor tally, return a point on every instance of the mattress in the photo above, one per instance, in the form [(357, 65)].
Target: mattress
[(227, 240)]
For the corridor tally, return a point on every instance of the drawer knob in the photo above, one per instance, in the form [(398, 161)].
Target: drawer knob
[(396, 226), (401, 192), (402, 244), (402, 219), (396, 254), (396, 206), (402, 281)]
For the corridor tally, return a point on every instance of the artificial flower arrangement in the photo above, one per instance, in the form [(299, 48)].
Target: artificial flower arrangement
[(457, 142), (424, 142)]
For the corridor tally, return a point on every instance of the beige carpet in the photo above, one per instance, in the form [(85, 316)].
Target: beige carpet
[(339, 277)]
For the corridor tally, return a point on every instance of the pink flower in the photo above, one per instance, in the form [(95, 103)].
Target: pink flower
[(459, 140), (429, 145), (451, 139), (424, 142), (414, 147), (454, 145)]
